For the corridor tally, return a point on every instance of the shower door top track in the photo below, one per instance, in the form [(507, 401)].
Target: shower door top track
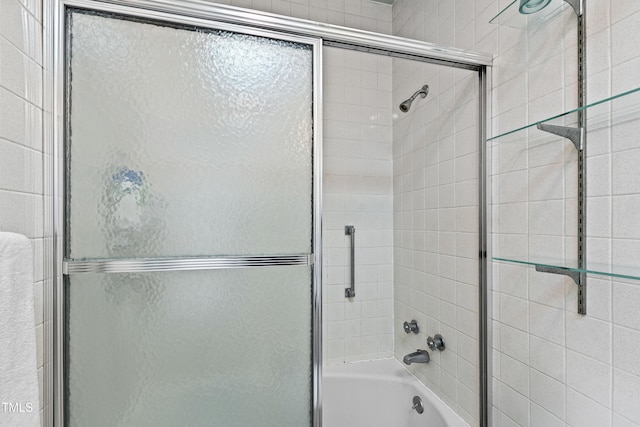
[(199, 12)]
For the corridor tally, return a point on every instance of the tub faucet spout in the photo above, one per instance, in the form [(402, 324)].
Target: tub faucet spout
[(419, 356)]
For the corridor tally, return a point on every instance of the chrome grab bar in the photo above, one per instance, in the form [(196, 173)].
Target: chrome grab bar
[(350, 230)]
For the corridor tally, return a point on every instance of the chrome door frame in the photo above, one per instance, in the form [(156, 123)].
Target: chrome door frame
[(56, 83), (204, 12)]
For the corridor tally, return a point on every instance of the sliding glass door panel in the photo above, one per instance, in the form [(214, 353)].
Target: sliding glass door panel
[(188, 148), (186, 142), (198, 348)]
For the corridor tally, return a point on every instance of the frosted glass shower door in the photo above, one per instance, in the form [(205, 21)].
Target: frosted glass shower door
[(189, 224)]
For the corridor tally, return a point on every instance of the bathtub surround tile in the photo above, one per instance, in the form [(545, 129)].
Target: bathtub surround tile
[(590, 337), (622, 32), (625, 181), (624, 79), (548, 393), (358, 191), (582, 411), (624, 210), (601, 291), (626, 343), (543, 418), (511, 280), (625, 250), (620, 421), (587, 375), (514, 405), (547, 322), (465, 346), (335, 330), (514, 343), (435, 211), (625, 395), (354, 347), (467, 403), (18, 167), (433, 376), (336, 349), (467, 374), (514, 374), (467, 322), (626, 299), (547, 358), (550, 292), (14, 117), (449, 386), (514, 311)]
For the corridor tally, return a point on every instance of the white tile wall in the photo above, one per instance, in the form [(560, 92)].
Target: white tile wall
[(357, 191), (551, 366), (436, 204), (578, 365), (361, 14), (435, 227), (21, 192)]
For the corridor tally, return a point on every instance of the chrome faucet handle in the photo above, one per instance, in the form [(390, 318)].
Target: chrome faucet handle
[(411, 327), (436, 342), (417, 404)]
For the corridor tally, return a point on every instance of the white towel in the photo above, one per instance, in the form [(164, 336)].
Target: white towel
[(19, 395)]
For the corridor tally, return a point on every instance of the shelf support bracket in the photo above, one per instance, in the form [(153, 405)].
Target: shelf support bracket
[(578, 277), (577, 5), (575, 135)]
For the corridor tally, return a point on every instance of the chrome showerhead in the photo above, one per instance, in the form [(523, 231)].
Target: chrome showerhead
[(406, 105)]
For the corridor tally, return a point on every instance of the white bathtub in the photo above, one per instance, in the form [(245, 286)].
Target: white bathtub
[(380, 394)]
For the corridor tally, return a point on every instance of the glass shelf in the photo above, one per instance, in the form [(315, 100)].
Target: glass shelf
[(525, 164), (626, 108), (510, 16), (592, 268)]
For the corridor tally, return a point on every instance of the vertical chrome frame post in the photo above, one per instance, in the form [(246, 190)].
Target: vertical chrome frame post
[(483, 249), (57, 71), (50, 184), (317, 234)]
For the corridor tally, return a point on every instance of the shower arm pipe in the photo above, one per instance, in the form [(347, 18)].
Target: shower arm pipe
[(406, 105), (350, 230), (424, 91)]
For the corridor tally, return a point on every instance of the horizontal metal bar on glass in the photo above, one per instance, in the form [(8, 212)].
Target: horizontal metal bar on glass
[(141, 265)]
